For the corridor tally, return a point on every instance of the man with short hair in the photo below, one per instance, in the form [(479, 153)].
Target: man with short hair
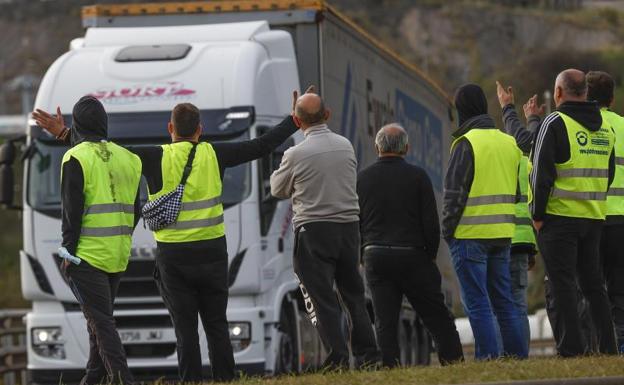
[(480, 192), (319, 175), (400, 233), (192, 261), (600, 88), (573, 166)]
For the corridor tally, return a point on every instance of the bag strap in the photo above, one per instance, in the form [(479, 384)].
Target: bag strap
[(189, 165)]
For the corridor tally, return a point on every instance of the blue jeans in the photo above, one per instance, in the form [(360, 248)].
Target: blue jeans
[(483, 273), (518, 269)]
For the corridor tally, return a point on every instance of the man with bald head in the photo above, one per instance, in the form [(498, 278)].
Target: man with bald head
[(400, 232), (573, 166), (319, 175)]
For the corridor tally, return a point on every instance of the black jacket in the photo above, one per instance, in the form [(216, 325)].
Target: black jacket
[(398, 206), (524, 135), (551, 146), (459, 177), (228, 155), (524, 140)]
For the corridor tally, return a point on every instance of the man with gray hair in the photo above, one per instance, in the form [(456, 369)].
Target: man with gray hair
[(400, 233), (319, 175), (573, 166)]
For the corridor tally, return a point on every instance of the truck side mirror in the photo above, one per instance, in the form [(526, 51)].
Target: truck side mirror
[(7, 156)]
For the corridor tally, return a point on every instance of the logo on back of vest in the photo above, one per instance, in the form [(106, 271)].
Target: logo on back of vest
[(581, 138)]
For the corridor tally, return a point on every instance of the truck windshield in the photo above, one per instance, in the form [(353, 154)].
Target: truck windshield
[(44, 185)]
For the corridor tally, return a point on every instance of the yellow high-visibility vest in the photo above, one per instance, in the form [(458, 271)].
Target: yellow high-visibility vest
[(111, 181), (490, 209), (201, 214), (615, 195), (524, 226), (580, 189)]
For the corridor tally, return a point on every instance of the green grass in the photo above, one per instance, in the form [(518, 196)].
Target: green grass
[(470, 372)]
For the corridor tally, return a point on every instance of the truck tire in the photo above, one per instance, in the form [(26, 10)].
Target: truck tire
[(421, 343), (288, 353)]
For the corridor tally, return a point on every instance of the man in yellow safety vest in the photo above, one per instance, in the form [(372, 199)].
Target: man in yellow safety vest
[(573, 165), (480, 193), (600, 88)]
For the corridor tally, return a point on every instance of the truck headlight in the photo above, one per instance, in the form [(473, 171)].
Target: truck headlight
[(48, 342), (240, 335)]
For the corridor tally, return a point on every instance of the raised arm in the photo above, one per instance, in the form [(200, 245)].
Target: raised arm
[(512, 125), (233, 154), (55, 125)]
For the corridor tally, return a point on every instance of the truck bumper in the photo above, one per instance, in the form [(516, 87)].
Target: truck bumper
[(73, 376), (146, 360)]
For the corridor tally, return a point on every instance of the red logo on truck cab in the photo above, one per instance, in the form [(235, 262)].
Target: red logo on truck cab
[(143, 92)]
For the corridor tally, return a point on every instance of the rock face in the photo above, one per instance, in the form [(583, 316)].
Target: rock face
[(472, 42), (454, 41)]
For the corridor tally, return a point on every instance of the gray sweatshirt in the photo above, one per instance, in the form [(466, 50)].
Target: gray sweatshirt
[(319, 175)]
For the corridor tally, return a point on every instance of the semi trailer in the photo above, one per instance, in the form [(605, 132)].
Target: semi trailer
[(238, 62)]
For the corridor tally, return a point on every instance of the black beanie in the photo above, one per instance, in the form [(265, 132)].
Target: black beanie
[(89, 121), (470, 101)]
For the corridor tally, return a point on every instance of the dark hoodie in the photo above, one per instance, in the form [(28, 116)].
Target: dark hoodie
[(89, 124), (551, 146), (471, 105), (89, 121)]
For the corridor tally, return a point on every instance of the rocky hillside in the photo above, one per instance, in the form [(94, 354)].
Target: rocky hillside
[(454, 41)]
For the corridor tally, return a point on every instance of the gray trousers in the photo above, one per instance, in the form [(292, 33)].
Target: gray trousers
[(95, 290)]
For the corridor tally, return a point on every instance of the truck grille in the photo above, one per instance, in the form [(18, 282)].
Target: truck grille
[(138, 280), (150, 350)]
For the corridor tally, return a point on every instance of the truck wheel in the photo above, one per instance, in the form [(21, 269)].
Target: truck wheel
[(406, 356), (421, 343), (287, 355)]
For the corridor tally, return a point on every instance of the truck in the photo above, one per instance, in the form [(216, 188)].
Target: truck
[(238, 62)]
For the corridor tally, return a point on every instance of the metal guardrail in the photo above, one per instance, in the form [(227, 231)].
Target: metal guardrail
[(13, 346), (537, 348)]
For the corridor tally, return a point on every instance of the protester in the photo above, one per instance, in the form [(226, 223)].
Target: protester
[(100, 207), (573, 165), (192, 263), (319, 175), (600, 88), (478, 223), (523, 243), (400, 233)]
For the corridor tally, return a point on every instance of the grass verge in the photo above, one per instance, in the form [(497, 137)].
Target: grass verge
[(469, 372)]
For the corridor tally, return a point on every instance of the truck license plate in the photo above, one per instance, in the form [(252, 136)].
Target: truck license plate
[(143, 335)]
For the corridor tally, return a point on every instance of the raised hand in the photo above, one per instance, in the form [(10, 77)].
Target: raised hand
[(53, 124), (505, 96), (310, 90), (532, 108)]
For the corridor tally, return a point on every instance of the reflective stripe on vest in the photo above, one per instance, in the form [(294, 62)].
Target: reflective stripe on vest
[(615, 195), (111, 177), (489, 211), (580, 188), (201, 212), (524, 233)]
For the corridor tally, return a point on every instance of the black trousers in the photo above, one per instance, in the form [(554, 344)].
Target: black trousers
[(327, 253), (195, 281), (392, 274), (587, 324), (95, 290), (570, 248), (612, 251)]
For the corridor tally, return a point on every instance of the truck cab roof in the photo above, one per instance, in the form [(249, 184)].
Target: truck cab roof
[(215, 66)]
